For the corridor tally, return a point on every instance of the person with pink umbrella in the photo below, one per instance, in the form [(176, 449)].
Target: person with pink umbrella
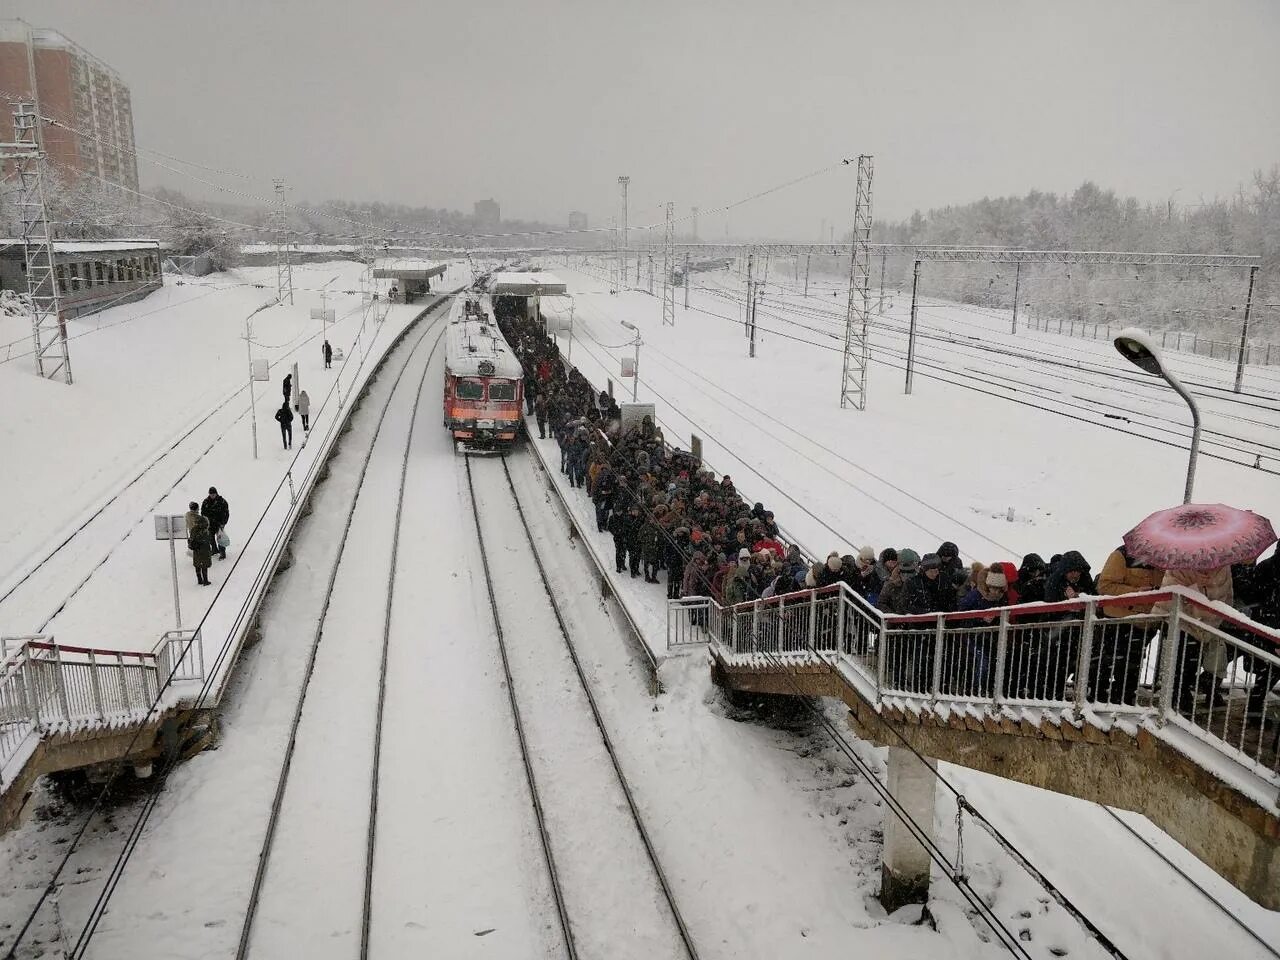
[(1196, 544)]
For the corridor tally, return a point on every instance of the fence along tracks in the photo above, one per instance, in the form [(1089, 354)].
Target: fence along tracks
[(548, 704)]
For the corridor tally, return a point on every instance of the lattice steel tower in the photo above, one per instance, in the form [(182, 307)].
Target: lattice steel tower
[(668, 267), (623, 182), (47, 330), (857, 332), (284, 268)]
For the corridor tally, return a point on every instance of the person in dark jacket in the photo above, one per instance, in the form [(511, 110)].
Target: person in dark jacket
[(1055, 659), (625, 526), (677, 550), (540, 411), (284, 417), (327, 350), (201, 546), (1032, 575), (953, 569), (929, 591), (893, 595), (218, 512), (603, 496), (1260, 592), (287, 387), (865, 579), (649, 540)]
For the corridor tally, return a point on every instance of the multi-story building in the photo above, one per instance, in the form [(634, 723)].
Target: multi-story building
[(72, 86), (487, 213)]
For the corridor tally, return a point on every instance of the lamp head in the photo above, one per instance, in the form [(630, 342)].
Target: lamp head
[(629, 326), (1140, 350)]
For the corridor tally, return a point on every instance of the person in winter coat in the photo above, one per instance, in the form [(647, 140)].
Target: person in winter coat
[(604, 495), (201, 545), (953, 568), (832, 571), (697, 577), (929, 591), (1032, 575), (218, 512), (1055, 656), (1199, 649), (304, 410), (193, 513), (926, 591), (287, 386), (1115, 665), (893, 595), (866, 580), (1264, 600), (540, 412), (284, 417), (327, 351), (677, 548), (969, 667), (736, 587), (650, 540)]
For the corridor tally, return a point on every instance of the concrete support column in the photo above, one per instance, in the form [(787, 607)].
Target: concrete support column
[(904, 865)]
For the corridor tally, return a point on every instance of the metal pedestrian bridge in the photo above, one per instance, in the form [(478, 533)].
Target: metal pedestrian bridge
[(1147, 712)]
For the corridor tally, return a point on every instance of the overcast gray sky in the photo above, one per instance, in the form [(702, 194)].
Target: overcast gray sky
[(543, 104)]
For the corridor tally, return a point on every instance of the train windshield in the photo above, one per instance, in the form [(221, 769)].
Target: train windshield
[(502, 389), (470, 389)]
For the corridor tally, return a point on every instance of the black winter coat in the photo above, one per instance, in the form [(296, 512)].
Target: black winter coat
[(216, 508)]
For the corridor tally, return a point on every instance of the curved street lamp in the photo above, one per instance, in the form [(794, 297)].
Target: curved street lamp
[(1140, 350)]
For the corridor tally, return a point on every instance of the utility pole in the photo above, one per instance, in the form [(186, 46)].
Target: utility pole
[(1017, 285), (686, 280), (1244, 331), (884, 255), (753, 291), (623, 184), (284, 269), (911, 335), (746, 317), (857, 328), (807, 258), (47, 328), (650, 256), (695, 224), (668, 268)]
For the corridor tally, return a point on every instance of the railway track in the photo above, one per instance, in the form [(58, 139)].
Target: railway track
[(265, 887), (611, 892)]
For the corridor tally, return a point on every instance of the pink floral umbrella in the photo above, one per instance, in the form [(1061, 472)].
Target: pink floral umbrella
[(1199, 536)]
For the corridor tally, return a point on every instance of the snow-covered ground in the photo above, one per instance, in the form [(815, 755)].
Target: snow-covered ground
[(159, 413), (769, 835)]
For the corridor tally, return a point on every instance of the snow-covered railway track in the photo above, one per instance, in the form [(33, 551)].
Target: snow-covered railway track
[(611, 892), (273, 923)]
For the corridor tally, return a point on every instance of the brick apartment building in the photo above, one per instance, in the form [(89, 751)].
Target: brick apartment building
[(70, 85)]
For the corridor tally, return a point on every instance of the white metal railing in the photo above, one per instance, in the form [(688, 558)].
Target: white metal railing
[(1189, 662), (47, 687)]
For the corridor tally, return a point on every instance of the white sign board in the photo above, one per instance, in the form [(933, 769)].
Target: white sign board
[(170, 526), (261, 370), (628, 366), (318, 314)]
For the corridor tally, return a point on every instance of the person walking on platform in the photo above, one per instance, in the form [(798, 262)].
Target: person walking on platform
[(327, 350), (218, 512), (287, 387), (540, 411), (304, 410), (284, 417)]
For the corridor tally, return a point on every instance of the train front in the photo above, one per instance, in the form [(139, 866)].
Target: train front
[(484, 383)]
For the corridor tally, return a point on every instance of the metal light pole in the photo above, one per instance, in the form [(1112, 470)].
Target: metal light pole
[(248, 346), (911, 334), (1139, 349), (635, 379)]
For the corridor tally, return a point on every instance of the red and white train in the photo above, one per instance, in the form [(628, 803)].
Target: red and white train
[(483, 380)]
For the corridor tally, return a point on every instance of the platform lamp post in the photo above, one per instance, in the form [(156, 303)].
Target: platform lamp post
[(1140, 350), (571, 306), (635, 373), (248, 345)]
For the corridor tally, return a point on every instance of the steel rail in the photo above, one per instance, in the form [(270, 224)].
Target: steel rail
[(557, 890), (268, 841), (625, 785)]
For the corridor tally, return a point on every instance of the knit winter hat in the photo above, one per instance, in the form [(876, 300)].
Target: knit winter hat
[(996, 578), (867, 554), (908, 560), (930, 561), (833, 561), (887, 554), (744, 554)]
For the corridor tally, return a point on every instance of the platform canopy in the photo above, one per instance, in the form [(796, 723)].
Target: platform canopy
[(527, 285), (405, 268)]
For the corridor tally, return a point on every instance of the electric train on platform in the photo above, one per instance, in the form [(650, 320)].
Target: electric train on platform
[(483, 380)]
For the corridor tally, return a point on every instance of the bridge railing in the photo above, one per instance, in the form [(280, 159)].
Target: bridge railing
[(1168, 656)]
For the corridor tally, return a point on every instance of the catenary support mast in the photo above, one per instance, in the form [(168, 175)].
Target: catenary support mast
[(857, 339)]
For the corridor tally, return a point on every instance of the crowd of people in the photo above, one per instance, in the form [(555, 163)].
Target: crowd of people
[(667, 513)]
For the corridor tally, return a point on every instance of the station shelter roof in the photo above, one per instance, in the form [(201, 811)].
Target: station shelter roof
[(407, 268), (527, 284)]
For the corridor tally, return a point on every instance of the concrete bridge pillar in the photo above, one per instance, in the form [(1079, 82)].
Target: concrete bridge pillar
[(904, 864)]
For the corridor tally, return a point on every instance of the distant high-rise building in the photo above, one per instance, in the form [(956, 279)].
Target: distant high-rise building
[(577, 220), (72, 86), (487, 213)]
